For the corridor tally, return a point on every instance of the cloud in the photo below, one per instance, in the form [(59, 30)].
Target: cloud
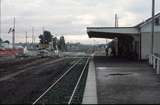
[(71, 17)]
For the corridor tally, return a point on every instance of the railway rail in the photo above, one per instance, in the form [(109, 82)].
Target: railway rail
[(69, 88), (31, 81)]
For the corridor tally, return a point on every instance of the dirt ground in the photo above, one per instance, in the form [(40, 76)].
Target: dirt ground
[(26, 87)]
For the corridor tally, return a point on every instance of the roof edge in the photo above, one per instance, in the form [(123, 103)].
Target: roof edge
[(137, 26), (147, 20), (107, 27)]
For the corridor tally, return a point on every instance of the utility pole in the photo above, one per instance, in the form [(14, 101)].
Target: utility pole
[(116, 39), (152, 37), (13, 32), (43, 29), (26, 40), (116, 20), (32, 36), (52, 45), (43, 35)]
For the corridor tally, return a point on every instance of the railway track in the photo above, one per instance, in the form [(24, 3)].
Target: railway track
[(26, 85), (69, 88)]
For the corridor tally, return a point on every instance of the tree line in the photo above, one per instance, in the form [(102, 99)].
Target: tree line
[(6, 41), (47, 38)]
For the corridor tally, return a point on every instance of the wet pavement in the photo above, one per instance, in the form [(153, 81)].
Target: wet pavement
[(121, 81)]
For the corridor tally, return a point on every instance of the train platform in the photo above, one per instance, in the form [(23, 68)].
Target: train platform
[(90, 94), (121, 81)]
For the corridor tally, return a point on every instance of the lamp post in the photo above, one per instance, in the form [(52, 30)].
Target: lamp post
[(152, 37)]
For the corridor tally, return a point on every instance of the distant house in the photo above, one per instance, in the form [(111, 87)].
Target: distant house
[(5, 45), (132, 40)]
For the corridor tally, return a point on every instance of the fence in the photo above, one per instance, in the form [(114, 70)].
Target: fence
[(155, 62)]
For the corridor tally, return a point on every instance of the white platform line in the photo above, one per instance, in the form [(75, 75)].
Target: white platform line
[(90, 94)]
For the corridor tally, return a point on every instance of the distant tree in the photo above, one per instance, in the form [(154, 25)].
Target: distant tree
[(58, 44), (1, 40), (46, 38), (61, 44), (41, 37), (7, 41), (55, 40)]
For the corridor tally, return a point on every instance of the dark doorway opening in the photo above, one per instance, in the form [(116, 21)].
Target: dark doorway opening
[(127, 47)]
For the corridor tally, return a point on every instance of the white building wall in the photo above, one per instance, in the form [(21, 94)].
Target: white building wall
[(146, 40), (157, 43), (148, 28), (145, 45)]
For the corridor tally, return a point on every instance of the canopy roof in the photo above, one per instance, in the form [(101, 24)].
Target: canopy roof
[(111, 32)]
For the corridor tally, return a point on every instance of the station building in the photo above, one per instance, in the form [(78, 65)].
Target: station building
[(132, 41)]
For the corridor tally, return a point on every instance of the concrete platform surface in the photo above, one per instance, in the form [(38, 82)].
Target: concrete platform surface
[(90, 94), (121, 81)]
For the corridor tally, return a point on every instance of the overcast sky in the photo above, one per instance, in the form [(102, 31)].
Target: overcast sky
[(71, 17)]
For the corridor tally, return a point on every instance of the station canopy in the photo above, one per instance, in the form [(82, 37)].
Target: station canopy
[(112, 32)]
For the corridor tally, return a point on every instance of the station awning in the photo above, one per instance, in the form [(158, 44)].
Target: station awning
[(111, 32)]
